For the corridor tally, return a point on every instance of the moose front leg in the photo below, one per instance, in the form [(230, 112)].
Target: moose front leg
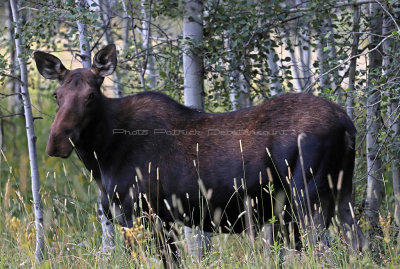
[(107, 227)]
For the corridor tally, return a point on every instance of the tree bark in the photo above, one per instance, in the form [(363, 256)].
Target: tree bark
[(375, 187), (304, 58), (391, 46), (107, 226), (322, 56), (131, 20), (106, 7), (31, 137), (353, 63), (15, 102), (84, 38), (147, 46), (332, 55), (274, 77), (302, 65), (193, 73), (238, 86), (193, 70), (296, 73), (125, 30)]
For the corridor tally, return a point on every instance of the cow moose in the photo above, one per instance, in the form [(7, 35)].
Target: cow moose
[(301, 143)]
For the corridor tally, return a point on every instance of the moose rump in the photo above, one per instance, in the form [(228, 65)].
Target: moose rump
[(300, 144)]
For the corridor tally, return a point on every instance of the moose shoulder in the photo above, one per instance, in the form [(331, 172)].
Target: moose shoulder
[(148, 143)]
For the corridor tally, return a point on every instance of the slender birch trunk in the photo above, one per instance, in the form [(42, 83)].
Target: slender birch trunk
[(332, 55), (296, 73), (324, 41), (295, 64), (322, 56), (390, 46), (107, 226), (375, 187), (125, 32), (30, 133), (353, 62), (132, 24), (304, 58), (238, 86), (302, 63), (395, 128), (147, 46), (126, 22), (106, 7), (193, 70), (15, 102), (274, 81), (83, 38)]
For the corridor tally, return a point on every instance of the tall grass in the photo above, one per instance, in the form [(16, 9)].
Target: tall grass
[(73, 233)]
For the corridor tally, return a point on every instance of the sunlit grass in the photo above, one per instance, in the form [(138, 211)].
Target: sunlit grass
[(73, 235)]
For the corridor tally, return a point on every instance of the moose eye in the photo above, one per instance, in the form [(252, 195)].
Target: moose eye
[(56, 98)]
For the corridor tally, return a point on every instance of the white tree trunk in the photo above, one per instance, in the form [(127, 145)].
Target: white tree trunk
[(107, 227), (146, 31), (30, 132), (390, 46), (106, 7), (239, 90), (193, 70), (126, 22), (125, 33), (375, 187), (333, 54), (238, 86), (193, 73), (296, 72), (129, 15), (395, 126), (15, 102), (302, 62), (84, 39), (274, 82), (322, 56), (304, 58), (353, 63)]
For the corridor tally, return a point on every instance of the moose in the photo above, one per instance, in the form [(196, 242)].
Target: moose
[(148, 147)]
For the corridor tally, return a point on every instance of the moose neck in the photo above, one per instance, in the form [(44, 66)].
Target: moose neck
[(94, 140)]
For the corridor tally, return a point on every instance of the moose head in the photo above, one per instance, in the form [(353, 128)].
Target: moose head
[(78, 97)]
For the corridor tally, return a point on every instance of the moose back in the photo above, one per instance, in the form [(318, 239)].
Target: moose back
[(192, 165)]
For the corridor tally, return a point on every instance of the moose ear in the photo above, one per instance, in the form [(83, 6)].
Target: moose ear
[(49, 66), (105, 61)]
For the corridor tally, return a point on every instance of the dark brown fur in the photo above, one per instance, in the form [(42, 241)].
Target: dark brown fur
[(105, 126)]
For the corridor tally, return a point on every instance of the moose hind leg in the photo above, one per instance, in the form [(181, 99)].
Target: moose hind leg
[(312, 198), (321, 217), (352, 231)]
